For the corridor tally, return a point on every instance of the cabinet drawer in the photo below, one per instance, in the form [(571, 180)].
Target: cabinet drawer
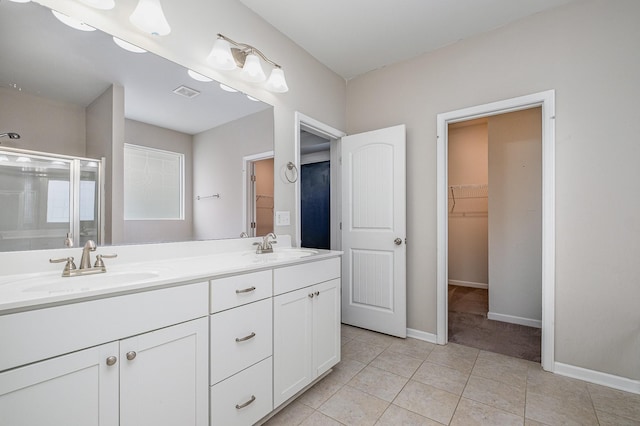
[(239, 290), (239, 338), (243, 399), (306, 274)]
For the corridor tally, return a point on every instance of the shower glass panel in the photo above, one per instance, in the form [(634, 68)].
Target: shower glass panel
[(44, 197)]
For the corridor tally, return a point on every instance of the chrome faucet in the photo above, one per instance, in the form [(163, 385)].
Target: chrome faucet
[(266, 245)]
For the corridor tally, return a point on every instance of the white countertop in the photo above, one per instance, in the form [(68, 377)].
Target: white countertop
[(27, 291)]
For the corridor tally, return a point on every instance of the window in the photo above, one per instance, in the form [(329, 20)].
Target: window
[(153, 184)]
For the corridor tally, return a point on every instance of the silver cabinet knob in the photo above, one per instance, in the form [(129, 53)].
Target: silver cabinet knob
[(311, 295), (397, 241), (317, 293), (111, 360), (131, 355)]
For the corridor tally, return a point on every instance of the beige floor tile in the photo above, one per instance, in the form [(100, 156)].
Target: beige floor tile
[(369, 336), (397, 416), (362, 351), (460, 351), (616, 402), (320, 392), (397, 363), (346, 369), (608, 419), (349, 331), (441, 377), (554, 410), (529, 422), (354, 407), (503, 369), (565, 388), (495, 394), (344, 340), (452, 358), (319, 419), (412, 347), (379, 383), (292, 415), (427, 401), (471, 413)]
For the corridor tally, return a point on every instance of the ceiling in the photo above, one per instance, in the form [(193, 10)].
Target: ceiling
[(44, 57), (352, 37)]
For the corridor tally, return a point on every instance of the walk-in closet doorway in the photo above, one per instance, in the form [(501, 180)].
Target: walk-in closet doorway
[(517, 228)]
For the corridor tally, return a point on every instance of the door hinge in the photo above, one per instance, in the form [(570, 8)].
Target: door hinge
[(253, 225), (253, 178), (341, 226)]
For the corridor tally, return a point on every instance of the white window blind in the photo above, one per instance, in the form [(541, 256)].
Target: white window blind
[(153, 184)]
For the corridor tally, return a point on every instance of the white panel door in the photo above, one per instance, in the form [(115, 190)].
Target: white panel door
[(164, 376), (78, 389), (374, 230)]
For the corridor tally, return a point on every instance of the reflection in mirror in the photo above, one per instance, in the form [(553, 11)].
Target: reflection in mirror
[(79, 94)]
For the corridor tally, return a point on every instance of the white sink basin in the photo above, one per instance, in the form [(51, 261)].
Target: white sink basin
[(282, 254), (60, 284)]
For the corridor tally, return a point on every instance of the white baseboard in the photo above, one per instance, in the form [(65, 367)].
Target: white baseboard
[(421, 335), (515, 320), (468, 284), (597, 377)]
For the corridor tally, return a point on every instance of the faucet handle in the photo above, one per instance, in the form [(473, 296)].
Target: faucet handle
[(70, 266), (99, 263)]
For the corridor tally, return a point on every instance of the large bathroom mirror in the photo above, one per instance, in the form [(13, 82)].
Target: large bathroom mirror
[(79, 94)]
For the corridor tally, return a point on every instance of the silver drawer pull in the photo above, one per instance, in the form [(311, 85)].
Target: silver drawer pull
[(245, 338), (241, 406), (246, 290)]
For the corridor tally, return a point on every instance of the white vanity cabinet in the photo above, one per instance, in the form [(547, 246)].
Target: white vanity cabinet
[(241, 347), (157, 377), (306, 321)]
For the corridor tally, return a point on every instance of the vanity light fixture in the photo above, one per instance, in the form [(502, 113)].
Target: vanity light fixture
[(72, 22), (128, 46), (100, 4), (148, 17), (246, 57)]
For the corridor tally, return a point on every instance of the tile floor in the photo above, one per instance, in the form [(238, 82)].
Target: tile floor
[(383, 380)]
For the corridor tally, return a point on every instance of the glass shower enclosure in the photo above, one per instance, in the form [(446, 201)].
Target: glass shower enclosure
[(49, 201)]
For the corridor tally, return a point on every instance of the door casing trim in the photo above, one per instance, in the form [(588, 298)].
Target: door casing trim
[(545, 100)]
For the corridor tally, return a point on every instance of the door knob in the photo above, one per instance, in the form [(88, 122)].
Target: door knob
[(397, 241)]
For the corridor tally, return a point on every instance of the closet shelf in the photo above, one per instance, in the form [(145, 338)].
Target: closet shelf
[(467, 191)]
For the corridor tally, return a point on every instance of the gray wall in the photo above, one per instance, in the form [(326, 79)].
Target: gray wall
[(217, 169), (588, 52), (144, 231), (515, 216), (43, 124)]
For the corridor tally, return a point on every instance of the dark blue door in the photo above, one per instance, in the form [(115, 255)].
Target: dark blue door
[(315, 206)]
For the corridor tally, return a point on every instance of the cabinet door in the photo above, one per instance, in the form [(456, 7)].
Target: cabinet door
[(292, 339), (164, 376), (78, 389), (326, 326)]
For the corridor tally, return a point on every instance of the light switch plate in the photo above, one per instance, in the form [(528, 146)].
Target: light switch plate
[(283, 218)]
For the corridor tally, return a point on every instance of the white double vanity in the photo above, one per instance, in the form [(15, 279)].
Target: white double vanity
[(191, 333)]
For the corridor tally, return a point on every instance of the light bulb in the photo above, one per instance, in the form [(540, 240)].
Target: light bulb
[(148, 17), (220, 56), (128, 46), (72, 22), (252, 70), (276, 82)]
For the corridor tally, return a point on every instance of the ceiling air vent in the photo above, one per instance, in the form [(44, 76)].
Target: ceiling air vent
[(187, 92)]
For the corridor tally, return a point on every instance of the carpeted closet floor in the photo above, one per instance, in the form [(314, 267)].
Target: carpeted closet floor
[(469, 326)]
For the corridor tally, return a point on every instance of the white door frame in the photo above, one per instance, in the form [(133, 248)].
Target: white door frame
[(546, 100), (303, 122), (247, 193)]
